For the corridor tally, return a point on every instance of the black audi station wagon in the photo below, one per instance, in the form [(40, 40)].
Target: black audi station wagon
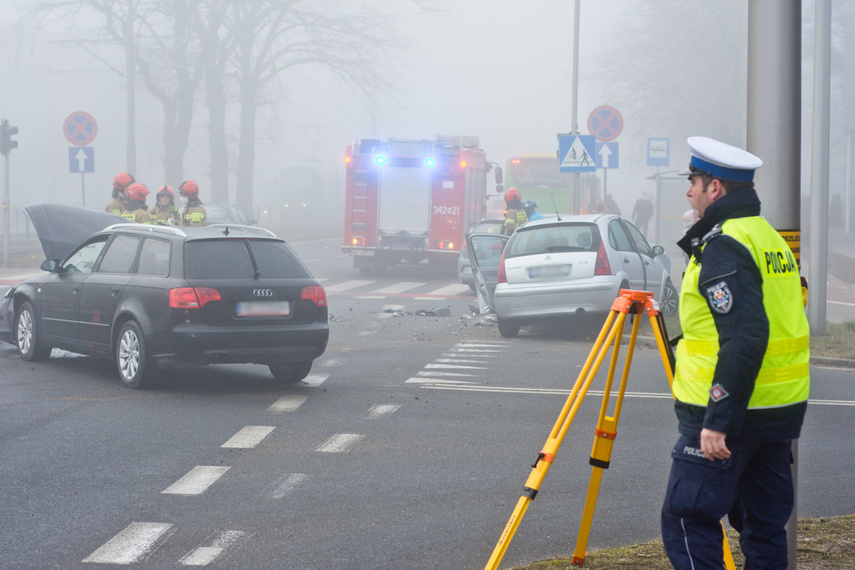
[(154, 297)]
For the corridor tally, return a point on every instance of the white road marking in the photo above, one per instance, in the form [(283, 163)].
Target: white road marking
[(286, 484), (130, 544), (315, 379), (435, 373), (437, 381), (378, 411), (487, 352), (287, 404), (453, 289), (248, 437), (461, 366), (340, 443), (348, 285), (204, 555), (398, 288), (196, 481), (473, 345), (460, 361)]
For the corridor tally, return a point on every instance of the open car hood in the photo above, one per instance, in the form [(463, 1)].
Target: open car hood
[(62, 228)]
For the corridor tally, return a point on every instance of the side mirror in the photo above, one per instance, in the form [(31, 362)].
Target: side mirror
[(49, 265), (658, 250), (498, 175)]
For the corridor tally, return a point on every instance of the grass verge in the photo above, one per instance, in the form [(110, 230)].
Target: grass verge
[(823, 544)]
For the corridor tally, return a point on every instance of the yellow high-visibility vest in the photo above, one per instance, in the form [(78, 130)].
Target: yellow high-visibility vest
[(784, 377)]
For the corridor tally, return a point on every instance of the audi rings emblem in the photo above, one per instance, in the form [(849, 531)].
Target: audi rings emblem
[(262, 292)]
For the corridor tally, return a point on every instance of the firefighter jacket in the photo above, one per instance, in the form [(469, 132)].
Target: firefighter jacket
[(117, 205), (514, 218), (161, 215), (742, 365), (138, 213), (194, 214)]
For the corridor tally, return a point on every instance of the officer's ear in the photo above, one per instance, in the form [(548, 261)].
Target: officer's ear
[(718, 190)]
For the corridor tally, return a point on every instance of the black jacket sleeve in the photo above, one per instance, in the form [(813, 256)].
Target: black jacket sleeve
[(733, 287)]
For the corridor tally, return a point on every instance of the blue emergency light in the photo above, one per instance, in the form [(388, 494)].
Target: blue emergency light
[(430, 162), (380, 160)]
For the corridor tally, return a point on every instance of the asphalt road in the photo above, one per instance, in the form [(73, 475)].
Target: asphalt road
[(407, 447)]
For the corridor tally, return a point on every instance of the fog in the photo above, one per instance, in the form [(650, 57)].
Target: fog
[(497, 69)]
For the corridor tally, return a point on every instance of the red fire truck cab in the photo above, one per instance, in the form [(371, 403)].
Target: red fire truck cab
[(411, 200)]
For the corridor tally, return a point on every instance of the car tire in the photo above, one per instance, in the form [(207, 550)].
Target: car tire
[(131, 356), (27, 335), (670, 298), (291, 372), (508, 329)]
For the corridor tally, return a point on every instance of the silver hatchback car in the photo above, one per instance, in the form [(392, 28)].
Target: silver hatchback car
[(568, 266)]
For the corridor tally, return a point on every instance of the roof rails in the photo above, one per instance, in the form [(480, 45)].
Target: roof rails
[(152, 228), (235, 228)]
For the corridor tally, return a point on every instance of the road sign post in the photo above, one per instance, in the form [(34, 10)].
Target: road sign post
[(80, 129)]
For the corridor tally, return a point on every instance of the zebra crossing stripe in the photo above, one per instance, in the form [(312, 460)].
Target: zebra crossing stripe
[(248, 437), (130, 544), (196, 481), (340, 443), (204, 555)]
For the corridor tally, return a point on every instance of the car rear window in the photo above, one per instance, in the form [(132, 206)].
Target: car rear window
[(555, 238), (231, 259)]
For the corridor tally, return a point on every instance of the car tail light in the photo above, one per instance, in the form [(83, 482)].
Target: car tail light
[(192, 297), (503, 277), (602, 266), (315, 294)]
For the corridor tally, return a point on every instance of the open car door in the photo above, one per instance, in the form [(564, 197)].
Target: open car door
[(485, 255)]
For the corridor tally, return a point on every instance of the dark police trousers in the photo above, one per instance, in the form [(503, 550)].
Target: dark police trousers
[(754, 487)]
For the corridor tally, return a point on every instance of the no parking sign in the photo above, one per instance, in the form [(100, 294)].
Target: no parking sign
[(80, 128)]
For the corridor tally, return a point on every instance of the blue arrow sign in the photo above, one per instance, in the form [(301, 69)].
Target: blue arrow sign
[(577, 153), (81, 159), (607, 155)]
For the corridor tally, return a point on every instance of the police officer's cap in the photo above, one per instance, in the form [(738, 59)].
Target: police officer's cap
[(721, 160)]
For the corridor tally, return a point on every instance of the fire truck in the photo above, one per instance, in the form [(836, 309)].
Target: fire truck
[(411, 200)]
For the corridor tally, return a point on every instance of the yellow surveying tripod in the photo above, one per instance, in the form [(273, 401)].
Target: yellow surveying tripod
[(627, 303)]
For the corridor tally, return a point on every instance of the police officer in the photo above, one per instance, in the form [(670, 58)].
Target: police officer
[(137, 210), (165, 212), (741, 382), (194, 212), (118, 204), (515, 215)]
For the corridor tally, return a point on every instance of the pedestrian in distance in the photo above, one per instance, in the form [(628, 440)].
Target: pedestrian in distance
[(118, 203), (741, 380), (515, 215), (137, 209), (194, 214), (642, 212), (165, 213)]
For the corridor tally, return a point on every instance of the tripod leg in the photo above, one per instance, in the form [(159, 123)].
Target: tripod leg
[(614, 324)]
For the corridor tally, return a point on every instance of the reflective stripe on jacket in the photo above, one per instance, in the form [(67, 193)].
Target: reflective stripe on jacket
[(784, 377), (193, 216)]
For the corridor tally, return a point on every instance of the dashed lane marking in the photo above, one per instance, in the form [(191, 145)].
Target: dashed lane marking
[(340, 443), (204, 555), (286, 484), (196, 481), (248, 437), (287, 404), (315, 379), (130, 544), (378, 411)]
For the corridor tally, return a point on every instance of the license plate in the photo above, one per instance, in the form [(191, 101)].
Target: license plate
[(363, 252), (263, 308), (548, 271)]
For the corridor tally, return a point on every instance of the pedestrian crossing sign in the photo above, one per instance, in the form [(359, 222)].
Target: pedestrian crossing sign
[(577, 153)]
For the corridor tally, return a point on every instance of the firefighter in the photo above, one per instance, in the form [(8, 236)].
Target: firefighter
[(515, 215), (118, 204), (741, 381), (194, 212), (137, 209), (165, 212)]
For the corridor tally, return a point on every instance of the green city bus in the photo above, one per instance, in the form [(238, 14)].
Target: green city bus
[(539, 179)]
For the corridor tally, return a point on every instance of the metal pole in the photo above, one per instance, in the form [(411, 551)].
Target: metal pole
[(574, 123), (774, 134), (82, 190), (818, 252), (130, 70), (656, 207), (847, 194), (6, 232)]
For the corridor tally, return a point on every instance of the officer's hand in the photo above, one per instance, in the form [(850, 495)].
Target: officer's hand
[(713, 444)]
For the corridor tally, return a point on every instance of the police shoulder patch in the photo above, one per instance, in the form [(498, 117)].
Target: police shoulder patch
[(718, 393), (720, 297)]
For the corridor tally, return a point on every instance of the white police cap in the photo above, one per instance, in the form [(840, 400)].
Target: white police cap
[(722, 160)]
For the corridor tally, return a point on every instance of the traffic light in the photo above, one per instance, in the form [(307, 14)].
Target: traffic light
[(6, 142)]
